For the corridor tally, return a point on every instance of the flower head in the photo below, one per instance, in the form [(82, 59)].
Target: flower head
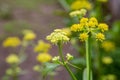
[(44, 57), (58, 36), (42, 46), (29, 35), (77, 27), (100, 37), (79, 4), (83, 36), (69, 56), (56, 59), (81, 12), (103, 27), (11, 42), (11, 59), (93, 22)]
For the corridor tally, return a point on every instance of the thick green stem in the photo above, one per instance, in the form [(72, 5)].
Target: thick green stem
[(63, 61), (88, 59)]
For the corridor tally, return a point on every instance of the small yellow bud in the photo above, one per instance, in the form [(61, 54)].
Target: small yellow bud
[(83, 36), (56, 59), (100, 37), (69, 56)]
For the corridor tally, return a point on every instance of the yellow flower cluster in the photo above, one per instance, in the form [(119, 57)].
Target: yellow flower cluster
[(100, 37), (108, 46), (91, 26), (11, 42), (77, 27), (42, 46), (29, 35), (44, 57), (81, 12), (12, 58), (83, 36), (103, 27), (79, 4), (57, 36)]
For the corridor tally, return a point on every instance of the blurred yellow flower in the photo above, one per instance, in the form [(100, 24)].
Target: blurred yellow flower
[(44, 57), (83, 36), (108, 46), (36, 68), (11, 42), (58, 36), (12, 58), (103, 1), (107, 60), (29, 35), (103, 27), (84, 20), (42, 46), (79, 4), (81, 12), (67, 31), (100, 37), (109, 77)]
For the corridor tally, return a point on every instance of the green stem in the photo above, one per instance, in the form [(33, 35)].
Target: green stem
[(73, 66), (63, 61), (88, 59)]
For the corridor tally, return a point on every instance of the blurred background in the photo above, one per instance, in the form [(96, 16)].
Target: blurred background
[(42, 17)]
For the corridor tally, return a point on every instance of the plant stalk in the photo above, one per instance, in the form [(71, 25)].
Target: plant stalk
[(88, 59), (63, 61)]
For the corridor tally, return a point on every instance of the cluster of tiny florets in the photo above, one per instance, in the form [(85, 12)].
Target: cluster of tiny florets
[(90, 26), (58, 36)]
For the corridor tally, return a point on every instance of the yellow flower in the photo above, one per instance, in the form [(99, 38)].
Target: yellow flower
[(29, 35), (76, 27), (84, 20), (103, 1), (44, 57), (81, 12), (12, 58), (100, 37), (108, 46), (67, 31), (93, 22), (57, 36), (103, 27), (79, 4), (107, 60), (42, 46), (83, 36), (11, 42)]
